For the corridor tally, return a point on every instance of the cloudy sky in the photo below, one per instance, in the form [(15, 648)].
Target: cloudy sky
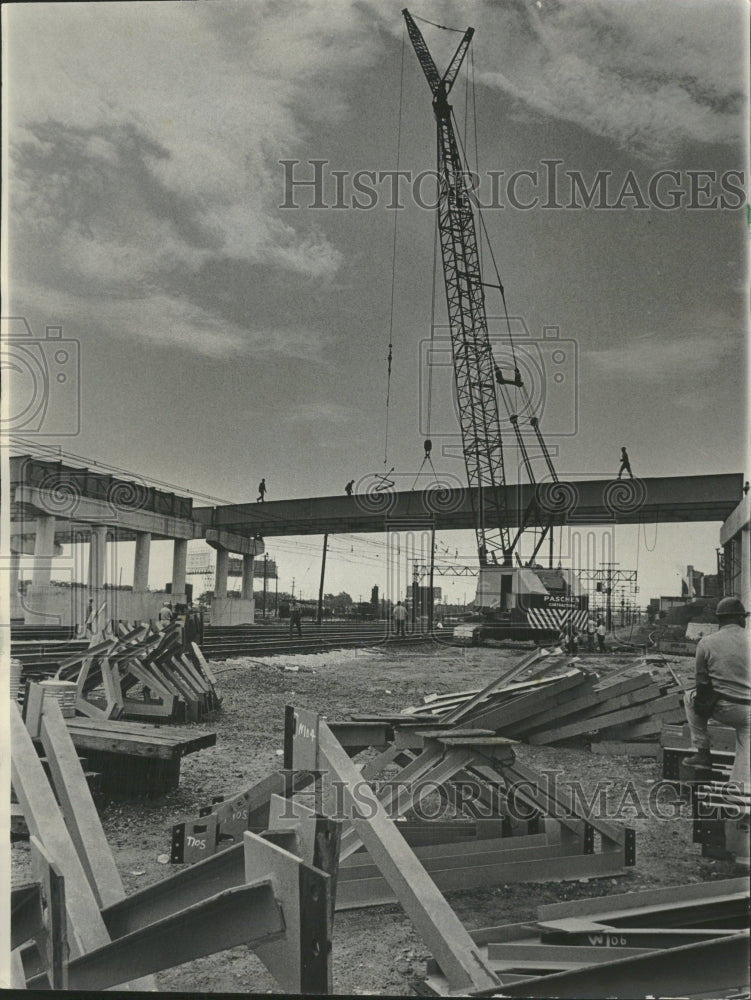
[(223, 337)]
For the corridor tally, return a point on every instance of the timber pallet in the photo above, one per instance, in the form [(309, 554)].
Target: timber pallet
[(74, 929), (133, 759)]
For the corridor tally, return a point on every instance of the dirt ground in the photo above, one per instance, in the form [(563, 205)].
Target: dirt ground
[(376, 951)]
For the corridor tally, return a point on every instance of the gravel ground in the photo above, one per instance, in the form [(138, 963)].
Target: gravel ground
[(376, 951)]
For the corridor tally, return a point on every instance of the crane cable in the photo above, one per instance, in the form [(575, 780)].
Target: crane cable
[(389, 359), (443, 27)]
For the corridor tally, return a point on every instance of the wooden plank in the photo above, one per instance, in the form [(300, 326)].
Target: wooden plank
[(79, 811), (604, 722), (592, 704), (511, 716), (86, 929), (505, 677), (637, 730), (432, 916)]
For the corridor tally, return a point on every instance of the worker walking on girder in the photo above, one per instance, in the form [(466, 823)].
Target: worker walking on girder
[(625, 464), (348, 488), (261, 491)]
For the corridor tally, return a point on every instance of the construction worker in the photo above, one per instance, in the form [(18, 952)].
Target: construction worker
[(165, 615), (625, 464), (591, 632), (261, 491), (400, 618), (723, 689), (600, 635), (295, 617), (348, 488)]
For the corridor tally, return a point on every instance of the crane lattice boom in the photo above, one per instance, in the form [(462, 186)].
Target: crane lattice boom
[(474, 365)]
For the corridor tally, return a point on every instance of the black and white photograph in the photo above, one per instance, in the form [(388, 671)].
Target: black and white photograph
[(375, 518)]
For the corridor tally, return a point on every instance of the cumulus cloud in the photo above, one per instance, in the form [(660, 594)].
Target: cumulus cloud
[(145, 140), (653, 77)]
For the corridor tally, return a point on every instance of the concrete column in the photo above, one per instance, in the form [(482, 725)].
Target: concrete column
[(97, 559), (179, 563), (141, 565), (222, 570), (44, 548), (746, 566), (247, 578), (15, 569)]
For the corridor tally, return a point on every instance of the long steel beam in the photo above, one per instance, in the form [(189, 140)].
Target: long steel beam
[(587, 502)]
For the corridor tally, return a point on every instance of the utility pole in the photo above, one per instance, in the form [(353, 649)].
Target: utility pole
[(265, 575), (430, 585), (415, 594), (323, 570)]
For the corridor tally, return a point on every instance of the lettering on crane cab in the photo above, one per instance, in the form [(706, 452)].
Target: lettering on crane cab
[(560, 601)]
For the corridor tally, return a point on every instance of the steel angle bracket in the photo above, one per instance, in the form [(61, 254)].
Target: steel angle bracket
[(301, 961), (194, 840)]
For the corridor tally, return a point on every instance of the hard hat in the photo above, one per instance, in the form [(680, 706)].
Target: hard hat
[(730, 606)]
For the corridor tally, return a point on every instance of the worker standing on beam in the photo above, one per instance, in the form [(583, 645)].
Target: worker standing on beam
[(261, 491), (625, 464), (348, 488), (723, 689)]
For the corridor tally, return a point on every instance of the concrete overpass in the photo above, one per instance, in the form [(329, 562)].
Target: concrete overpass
[(587, 502)]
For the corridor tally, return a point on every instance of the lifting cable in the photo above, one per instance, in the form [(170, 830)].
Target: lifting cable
[(393, 260), (443, 27)]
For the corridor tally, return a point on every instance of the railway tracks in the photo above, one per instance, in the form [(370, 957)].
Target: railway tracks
[(42, 649)]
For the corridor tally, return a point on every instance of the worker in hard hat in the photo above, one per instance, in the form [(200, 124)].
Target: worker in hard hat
[(723, 689), (165, 615)]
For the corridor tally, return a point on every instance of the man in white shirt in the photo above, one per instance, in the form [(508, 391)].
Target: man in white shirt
[(400, 618), (723, 688)]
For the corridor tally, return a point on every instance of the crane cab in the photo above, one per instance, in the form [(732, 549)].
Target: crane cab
[(524, 602)]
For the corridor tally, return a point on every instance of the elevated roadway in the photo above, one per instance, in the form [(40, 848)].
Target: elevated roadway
[(668, 499)]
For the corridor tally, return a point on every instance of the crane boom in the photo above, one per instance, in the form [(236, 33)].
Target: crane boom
[(474, 365)]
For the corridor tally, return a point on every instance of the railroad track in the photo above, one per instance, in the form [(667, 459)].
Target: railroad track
[(272, 640), (41, 650)]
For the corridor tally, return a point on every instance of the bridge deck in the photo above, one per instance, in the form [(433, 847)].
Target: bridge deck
[(657, 500)]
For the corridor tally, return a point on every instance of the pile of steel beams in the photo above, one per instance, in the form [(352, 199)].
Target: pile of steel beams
[(142, 673), (689, 940), (276, 897)]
